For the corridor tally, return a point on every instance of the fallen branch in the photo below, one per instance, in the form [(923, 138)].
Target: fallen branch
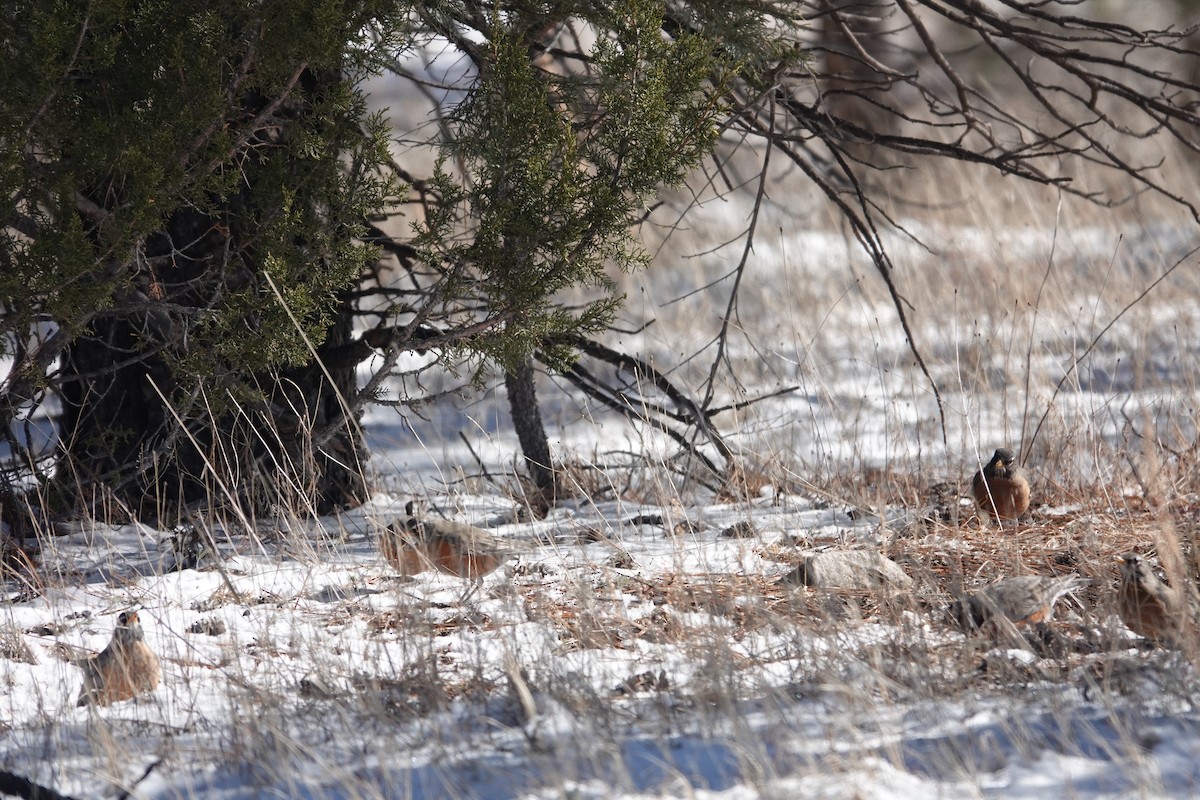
[(16, 786)]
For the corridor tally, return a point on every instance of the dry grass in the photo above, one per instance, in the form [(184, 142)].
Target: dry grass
[(425, 665)]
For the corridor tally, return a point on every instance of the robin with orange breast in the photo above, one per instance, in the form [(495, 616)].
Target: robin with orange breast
[(1001, 488), (415, 545), (124, 669), (1147, 605), (1024, 600)]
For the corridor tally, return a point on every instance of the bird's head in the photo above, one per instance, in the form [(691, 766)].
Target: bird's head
[(1003, 457)]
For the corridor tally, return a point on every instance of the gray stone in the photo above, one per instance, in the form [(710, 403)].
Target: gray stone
[(849, 569)]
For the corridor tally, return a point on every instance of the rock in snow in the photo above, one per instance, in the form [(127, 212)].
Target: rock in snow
[(849, 569)]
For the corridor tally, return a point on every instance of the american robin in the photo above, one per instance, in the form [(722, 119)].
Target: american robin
[(1148, 606), (1024, 600), (124, 669), (415, 545), (1001, 488)]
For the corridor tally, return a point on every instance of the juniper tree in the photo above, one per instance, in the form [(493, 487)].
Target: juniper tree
[(189, 246), (555, 168), (187, 185)]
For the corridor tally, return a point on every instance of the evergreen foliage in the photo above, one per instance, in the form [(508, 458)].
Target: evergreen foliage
[(556, 168), (161, 159), (118, 116)]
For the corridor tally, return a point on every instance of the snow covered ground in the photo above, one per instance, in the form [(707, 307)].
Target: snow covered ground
[(611, 659), (637, 647)]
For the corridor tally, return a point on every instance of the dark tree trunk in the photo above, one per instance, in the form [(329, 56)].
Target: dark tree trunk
[(114, 429), (852, 33), (124, 452), (531, 432), (139, 440), (328, 449)]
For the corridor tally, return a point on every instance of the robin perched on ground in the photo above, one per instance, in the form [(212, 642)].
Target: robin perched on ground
[(1148, 606), (124, 669), (1024, 600), (1001, 489), (415, 545)]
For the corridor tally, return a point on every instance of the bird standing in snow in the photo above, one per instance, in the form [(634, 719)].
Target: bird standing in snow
[(124, 669), (415, 545)]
